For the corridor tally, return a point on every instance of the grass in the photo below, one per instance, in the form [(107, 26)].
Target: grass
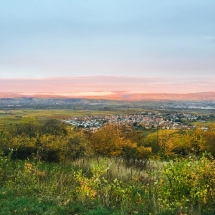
[(24, 192), (12, 203), (147, 132), (117, 169), (204, 124), (160, 133), (15, 116), (84, 188)]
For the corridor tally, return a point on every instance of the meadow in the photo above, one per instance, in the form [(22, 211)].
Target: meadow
[(105, 186), (15, 116), (47, 168)]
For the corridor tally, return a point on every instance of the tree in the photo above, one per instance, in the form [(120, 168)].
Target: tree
[(54, 127), (107, 141)]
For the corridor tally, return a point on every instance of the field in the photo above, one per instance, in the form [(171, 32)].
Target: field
[(90, 187), (15, 116), (46, 168)]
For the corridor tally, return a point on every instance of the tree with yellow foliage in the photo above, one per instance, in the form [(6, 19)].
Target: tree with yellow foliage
[(107, 141)]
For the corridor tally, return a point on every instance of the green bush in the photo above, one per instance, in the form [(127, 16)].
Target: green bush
[(188, 186)]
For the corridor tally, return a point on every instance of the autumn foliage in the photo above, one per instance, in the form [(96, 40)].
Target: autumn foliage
[(38, 159), (55, 141)]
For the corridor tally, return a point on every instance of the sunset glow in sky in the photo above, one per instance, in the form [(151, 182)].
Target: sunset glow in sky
[(89, 46)]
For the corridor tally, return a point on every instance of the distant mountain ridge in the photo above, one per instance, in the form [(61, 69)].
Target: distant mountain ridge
[(119, 96)]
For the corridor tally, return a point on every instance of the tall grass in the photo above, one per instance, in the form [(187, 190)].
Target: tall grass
[(106, 186)]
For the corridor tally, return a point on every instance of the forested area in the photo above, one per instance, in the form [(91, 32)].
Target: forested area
[(51, 168)]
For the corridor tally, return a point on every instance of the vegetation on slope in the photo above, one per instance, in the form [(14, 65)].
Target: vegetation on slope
[(47, 168)]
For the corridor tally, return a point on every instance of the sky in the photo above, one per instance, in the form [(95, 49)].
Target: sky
[(137, 45)]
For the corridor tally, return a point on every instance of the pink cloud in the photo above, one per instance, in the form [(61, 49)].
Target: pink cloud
[(105, 85)]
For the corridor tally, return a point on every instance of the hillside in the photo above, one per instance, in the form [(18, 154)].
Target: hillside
[(119, 96)]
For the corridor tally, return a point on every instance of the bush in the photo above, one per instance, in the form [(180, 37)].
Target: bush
[(188, 186)]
